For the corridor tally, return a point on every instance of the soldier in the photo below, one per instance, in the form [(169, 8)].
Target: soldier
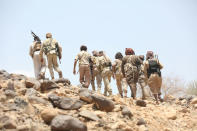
[(152, 69), (104, 66), (117, 74), (52, 50), (84, 66), (39, 67), (95, 72), (142, 79), (130, 64)]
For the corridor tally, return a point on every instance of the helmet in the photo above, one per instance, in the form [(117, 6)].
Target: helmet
[(48, 35), (149, 55), (118, 55), (129, 51)]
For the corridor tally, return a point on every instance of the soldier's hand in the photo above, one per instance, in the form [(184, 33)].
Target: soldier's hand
[(74, 72)]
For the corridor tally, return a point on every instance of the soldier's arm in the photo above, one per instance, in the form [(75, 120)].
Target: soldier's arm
[(31, 51), (160, 65), (75, 63), (41, 52), (146, 68), (114, 66), (122, 67)]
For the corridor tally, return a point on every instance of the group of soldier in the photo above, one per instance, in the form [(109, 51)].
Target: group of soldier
[(128, 70)]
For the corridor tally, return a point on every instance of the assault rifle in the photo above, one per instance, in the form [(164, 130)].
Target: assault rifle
[(58, 52), (36, 38)]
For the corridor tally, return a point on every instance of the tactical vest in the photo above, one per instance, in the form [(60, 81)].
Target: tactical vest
[(153, 68), (50, 46)]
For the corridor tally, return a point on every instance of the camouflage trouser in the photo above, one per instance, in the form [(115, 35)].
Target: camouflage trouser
[(52, 63), (154, 82), (106, 74), (121, 84), (132, 74), (142, 82), (98, 77), (85, 76)]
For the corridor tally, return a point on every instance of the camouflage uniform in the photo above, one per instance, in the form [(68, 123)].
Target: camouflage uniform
[(84, 68), (142, 80), (154, 80), (96, 74), (120, 80), (49, 47), (130, 65), (39, 67), (106, 73)]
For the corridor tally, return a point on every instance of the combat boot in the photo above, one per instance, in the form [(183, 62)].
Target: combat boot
[(60, 74)]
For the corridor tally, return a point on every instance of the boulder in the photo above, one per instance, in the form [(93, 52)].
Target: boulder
[(48, 85), (103, 103), (31, 92), (85, 95), (20, 102), (141, 103), (37, 100), (194, 101), (65, 82), (171, 115), (89, 115), (7, 123), (67, 123), (10, 93), (126, 111), (48, 114), (65, 103), (141, 121), (32, 83)]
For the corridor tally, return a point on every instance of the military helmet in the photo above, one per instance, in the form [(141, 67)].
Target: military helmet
[(129, 51), (149, 55), (48, 35)]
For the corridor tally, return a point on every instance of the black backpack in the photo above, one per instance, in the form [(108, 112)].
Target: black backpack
[(153, 67)]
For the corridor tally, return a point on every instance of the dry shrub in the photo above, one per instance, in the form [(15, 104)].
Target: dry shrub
[(192, 88), (172, 86)]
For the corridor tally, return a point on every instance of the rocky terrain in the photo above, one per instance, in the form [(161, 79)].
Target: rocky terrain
[(27, 104)]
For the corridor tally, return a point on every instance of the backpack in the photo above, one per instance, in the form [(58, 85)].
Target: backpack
[(153, 67)]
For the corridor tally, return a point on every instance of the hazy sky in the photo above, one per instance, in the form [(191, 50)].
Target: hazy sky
[(167, 27)]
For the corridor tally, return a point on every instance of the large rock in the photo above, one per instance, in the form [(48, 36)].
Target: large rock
[(89, 115), (65, 103), (10, 93), (126, 111), (194, 101), (7, 123), (37, 100), (65, 82), (141, 121), (32, 83), (141, 103), (31, 92), (171, 115), (48, 114), (103, 103), (85, 95), (4, 75), (48, 85), (67, 123)]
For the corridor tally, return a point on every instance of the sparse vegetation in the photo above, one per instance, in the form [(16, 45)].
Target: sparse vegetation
[(192, 88)]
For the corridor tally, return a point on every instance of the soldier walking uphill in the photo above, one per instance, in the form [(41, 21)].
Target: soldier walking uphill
[(95, 72), (117, 74), (39, 67), (52, 50), (130, 64), (105, 66), (152, 69), (142, 78), (84, 66)]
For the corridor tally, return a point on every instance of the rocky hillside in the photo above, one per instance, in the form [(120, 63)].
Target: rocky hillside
[(30, 105)]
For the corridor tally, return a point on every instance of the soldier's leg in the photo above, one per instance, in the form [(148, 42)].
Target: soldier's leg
[(56, 66), (98, 80), (87, 76), (50, 65), (108, 86), (92, 81), (106, 83), (81, 74), (142, 85), (118, 83), (124, 86), (133, 90)]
